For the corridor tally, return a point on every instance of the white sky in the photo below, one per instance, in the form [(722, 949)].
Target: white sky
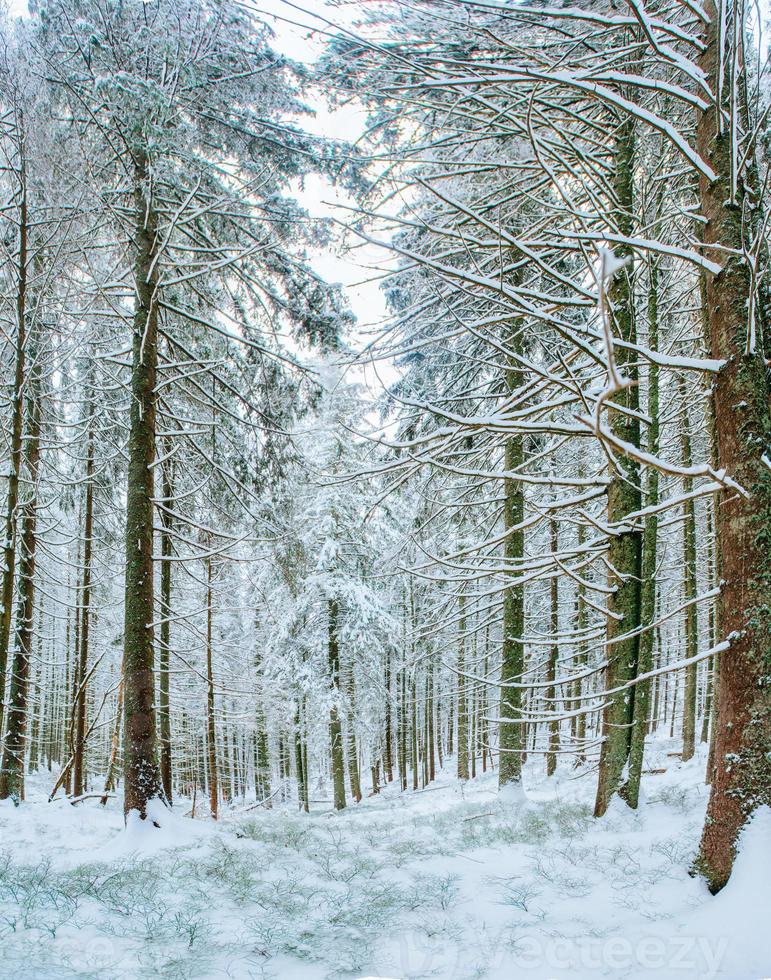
[(356, 272)]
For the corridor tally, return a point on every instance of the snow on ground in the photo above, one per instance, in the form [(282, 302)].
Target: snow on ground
[(452, 883)]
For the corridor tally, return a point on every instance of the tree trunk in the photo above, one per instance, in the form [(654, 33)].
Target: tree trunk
[(79, 749), (142, 781), (17, 417), (350, 733), (164, 713), (551, 668), (624, 497), (631, 791), (12, 769), (582, 657), (689, 586), (300, 764), (511, 734), (430, 724), (742, 762), (335, 728), (388, 757), (211, 726), (401, 711), (414, 729), (463, 719)]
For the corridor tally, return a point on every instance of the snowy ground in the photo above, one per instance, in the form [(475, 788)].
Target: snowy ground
[(446, 883)]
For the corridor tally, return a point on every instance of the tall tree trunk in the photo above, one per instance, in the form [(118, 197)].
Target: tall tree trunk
[(430, 724), (742, 761), (17, 417), (689, 586), (551, 667), (582, 657), (261, 760), (12, 768), (79, 749), (401, 710), (631, 791), (300, 763), (164, 713), (510, 730), (388, 756), (350, 735), (463, 714), (262, 771), (624, 497), (211, 724), (142, 781), (335, 728), (414, 729)]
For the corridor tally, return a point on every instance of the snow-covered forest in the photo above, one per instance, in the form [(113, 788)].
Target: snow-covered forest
[(385, 423)]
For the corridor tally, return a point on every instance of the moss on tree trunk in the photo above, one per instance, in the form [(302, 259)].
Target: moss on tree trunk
[(624, 497), (742, 754)]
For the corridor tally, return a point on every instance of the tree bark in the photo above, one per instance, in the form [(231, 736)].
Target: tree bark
[(624, 497), (164, 714), (142, 781), (350, 731), (17, 417), (388, 756), (303, 798), (551, 667), (689, 587), (12, 769), (631, 790), (79, 749), (211, 724), (335, 728), (510, 731), (463, 715), (742, 761)]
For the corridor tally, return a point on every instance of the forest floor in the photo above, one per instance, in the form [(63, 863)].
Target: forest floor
[(452, 882)]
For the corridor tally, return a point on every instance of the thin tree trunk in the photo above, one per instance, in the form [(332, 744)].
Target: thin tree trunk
[(430, 725), (302, 775), (79, 749), (673, 714), (211, 726), (551, 668), (350, 729), (581, 659), (12, 768), (335, 728), (689, 586), (17, 417), (510, 731), (414, 729), (631, 791), (402, 726), (463, 719), (164, 713), (388, 758)]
